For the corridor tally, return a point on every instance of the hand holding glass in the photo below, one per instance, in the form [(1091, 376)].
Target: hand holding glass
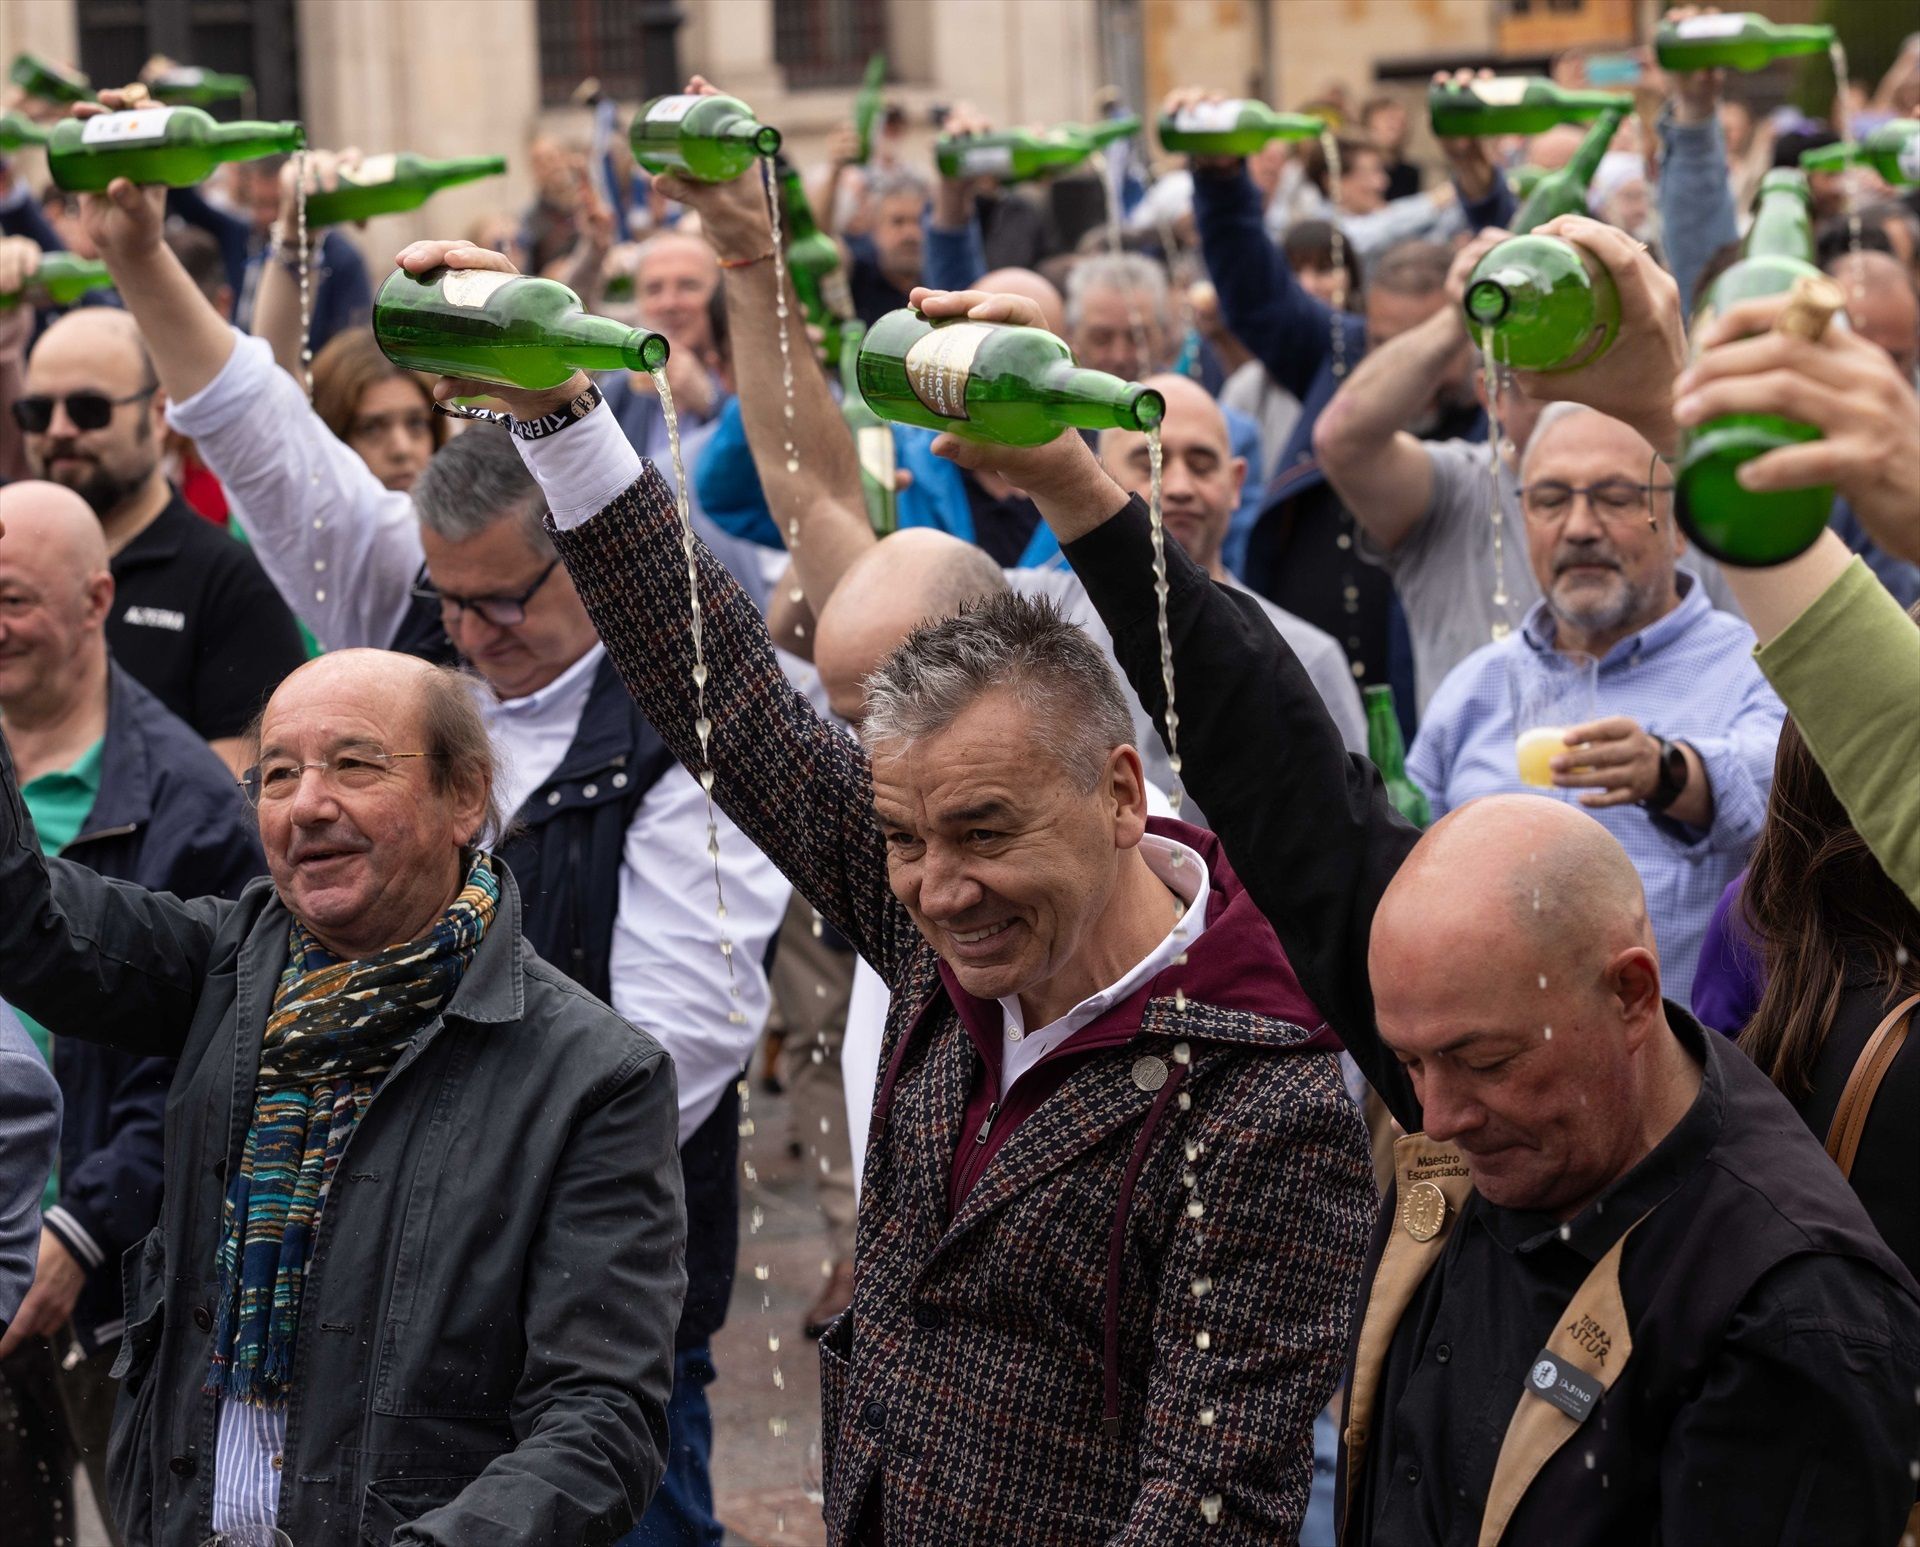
[(1549, 692)]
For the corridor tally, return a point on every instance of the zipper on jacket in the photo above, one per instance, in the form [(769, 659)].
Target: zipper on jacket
[(987, 1126)]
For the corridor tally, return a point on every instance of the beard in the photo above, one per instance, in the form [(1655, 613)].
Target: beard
[(104, 489), (1596, 609)]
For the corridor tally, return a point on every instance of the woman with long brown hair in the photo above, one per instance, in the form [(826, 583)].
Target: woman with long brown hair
[(384, 413), (1840, 945)]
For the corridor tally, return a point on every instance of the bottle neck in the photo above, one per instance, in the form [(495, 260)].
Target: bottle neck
[(1586, 160), (1383, 734), (250, 141), (1093, 400), (464, 169), (618, 344), (1496, 295), (1782, 227)]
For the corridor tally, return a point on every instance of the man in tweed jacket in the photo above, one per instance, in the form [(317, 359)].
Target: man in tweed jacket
[(1099, 1302)]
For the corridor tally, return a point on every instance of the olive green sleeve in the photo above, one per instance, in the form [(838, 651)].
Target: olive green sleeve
[(1848, 670)]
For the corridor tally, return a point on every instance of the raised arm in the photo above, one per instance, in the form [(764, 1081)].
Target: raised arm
[(1697, 215), (1382, 473)]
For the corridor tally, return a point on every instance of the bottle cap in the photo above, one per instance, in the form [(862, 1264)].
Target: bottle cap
[(1810, 307)]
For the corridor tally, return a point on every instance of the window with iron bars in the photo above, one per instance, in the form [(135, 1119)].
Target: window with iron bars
[(601, 38), (827, 42)]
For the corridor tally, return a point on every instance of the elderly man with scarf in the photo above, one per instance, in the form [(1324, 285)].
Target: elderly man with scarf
[(422, 1248)]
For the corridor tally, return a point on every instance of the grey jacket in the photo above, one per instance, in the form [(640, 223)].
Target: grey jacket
[(486, 1335), (29, 1134)]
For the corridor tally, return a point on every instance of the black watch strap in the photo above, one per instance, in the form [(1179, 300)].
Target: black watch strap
[(1672, 782)]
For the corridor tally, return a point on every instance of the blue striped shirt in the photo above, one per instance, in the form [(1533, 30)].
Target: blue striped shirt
[(1689, 676), (246, 1465)]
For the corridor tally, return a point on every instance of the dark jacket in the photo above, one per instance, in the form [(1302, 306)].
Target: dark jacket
[(486, 1334), (1027, 1370), (168, 817), (1712, 1434), (29, 1135)]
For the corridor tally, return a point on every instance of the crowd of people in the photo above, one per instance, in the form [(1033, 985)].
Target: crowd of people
[(405, 869)]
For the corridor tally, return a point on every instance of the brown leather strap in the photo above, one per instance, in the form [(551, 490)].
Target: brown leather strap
[(1856, 1101)]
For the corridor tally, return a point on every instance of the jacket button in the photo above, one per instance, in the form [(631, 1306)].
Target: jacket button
[(553, 797), (874, 1416), (1413, 1472), (926, 1318), (183, 1466), (203, 1318), (1444, 1352)]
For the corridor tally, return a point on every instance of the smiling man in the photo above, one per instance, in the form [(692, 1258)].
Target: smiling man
[(468, 1334), (1677, 757)]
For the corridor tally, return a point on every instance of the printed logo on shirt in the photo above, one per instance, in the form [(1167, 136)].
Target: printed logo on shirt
[(157, 617)]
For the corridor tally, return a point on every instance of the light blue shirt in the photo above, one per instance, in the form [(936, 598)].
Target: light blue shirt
[(1689, 676)]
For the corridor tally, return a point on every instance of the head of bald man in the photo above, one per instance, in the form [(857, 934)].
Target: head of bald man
[(96, 354), (374, 774), (910, 577), (1515, 976), (55, 593), (1881, 304), (1200, 476), (1036, 288)]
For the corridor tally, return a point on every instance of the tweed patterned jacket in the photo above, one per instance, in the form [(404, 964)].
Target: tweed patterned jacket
[(1125, 1332)]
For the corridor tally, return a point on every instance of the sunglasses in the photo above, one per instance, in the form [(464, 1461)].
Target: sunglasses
[(87, 410)]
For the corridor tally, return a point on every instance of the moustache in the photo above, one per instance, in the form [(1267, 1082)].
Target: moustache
[(1567, 558)]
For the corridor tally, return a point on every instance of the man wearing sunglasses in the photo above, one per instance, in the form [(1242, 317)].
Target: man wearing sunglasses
[(609, 833), (1677, 757), (195, 621)]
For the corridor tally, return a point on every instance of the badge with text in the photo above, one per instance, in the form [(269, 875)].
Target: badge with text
[(1571, 1390)]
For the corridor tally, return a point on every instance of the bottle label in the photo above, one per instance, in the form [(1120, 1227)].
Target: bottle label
[(473, 287), (875, 444), (371, 172), (986, 160), (143, 126), (1710, 27), (940, 364), (1502, 90), (1208, 118), (834, 291), (670, 110), (1909, 162)]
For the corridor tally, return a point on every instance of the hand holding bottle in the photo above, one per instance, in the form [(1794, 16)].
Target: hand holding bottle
[(19, 262), (1630, 381), (1846, 388), (1695, 94), (733, 214), (1468, 162), (1178, 101), (127, 222), (953, 196)]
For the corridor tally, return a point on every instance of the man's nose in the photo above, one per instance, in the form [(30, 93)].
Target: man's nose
[(313, 803), (1448, 1110), (946, 890)]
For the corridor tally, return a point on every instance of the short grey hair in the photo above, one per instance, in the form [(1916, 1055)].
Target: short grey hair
[(1550, 416), (1009, 643), (896, 181), (476, 481), (1130, 273)]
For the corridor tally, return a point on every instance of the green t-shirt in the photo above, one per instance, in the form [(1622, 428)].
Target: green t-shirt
[(59, 802)]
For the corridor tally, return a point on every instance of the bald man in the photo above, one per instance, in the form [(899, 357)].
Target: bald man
[(194, 619), (674, 279), (464, 1333), (1615, 1294), (115, 783)]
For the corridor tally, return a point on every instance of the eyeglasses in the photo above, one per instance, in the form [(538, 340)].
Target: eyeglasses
[(500, 611), (1612, 499), (278, 778), (87, 410)]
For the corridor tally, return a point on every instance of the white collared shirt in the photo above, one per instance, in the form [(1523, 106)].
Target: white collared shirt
[(1185, 874)]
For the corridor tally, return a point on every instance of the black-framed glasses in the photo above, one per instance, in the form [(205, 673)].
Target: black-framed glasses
[(1612, 499), (88, 410), (360, 768), (500, 611)]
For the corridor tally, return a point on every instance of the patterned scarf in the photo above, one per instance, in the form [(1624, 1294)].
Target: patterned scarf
[(335, 1030)]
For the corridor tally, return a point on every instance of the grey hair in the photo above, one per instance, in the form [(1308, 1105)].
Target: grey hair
[(474, 482), (1128, 272), (670, 237), (1551, 415), (896, 181), (1011, 643)]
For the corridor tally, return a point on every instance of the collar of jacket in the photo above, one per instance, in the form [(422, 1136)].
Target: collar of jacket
[(135, 724)]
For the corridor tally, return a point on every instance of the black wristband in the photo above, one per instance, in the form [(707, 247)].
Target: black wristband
[(1674, 773), (552, 424)]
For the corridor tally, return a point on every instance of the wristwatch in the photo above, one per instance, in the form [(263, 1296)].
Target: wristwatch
[(1672, 783)]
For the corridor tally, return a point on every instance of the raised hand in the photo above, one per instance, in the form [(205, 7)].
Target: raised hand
[(127, 221), (733, 214)]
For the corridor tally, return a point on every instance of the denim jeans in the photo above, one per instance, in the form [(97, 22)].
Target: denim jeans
[(681, 1514)]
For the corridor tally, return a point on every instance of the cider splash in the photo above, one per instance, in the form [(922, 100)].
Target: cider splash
[(306, 272), (1330, 146), (1159, 527), (1843, 126), (1501, 627)]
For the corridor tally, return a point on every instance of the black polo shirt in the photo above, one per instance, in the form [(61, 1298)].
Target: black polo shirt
[(196, 622)]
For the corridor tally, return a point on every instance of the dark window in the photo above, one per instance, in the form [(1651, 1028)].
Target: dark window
[(254, 38), (599, 38), (827, 42)]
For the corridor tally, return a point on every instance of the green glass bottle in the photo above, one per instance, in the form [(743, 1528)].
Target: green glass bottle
[(48, 81), (1021, 155), (61, 279), (190, 85), (867, 105), (1892, 150), (1565, 192), (386, 185), (1742, 41), (177, 146), (1515, 104), (17, 132), (1524, 179), (872, 436), (514, 330), (992, 382), (1232, 128), (1724, 520), (813, 259), (1537, 303), (710, 139), (1388, 750)]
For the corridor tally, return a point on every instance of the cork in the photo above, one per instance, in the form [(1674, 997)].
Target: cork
[(1810, 307)]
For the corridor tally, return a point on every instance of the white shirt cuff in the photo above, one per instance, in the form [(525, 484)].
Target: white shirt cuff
[(584, 468)]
